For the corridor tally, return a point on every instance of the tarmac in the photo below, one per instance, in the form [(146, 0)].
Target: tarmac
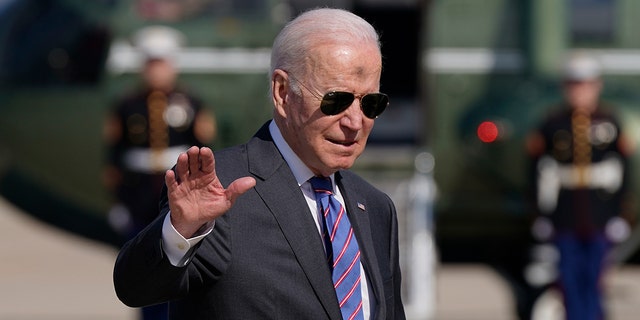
[(47, 273)]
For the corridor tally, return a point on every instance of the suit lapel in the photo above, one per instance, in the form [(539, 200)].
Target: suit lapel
[(281, 194), (359, 218)]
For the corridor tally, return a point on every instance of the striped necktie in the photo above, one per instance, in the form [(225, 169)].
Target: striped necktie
[(342, 249)]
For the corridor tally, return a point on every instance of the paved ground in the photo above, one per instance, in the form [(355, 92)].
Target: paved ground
[(47, 274), (472, 292)]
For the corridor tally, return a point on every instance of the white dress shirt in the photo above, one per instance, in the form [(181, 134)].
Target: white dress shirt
[(176, 246)]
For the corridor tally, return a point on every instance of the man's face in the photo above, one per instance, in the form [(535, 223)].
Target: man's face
[(327, 143), (583, 95), (159, 74)]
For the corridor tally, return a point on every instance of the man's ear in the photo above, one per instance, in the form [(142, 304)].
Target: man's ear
[(279, 91)]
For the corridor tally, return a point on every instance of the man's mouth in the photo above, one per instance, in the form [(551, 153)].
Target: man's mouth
[(343, 143)]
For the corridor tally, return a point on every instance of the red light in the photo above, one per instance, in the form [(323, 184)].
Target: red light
[(487, 132)]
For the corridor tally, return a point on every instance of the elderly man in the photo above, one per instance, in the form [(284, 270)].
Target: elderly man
[(294, 235)]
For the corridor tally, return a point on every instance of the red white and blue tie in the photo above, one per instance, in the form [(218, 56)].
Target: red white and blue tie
[(342, 249)]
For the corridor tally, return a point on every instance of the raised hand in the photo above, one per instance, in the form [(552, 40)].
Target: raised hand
[(196, 196)]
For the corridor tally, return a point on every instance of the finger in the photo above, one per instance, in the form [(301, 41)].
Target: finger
[(207, 160), (239, 186), (182, 167), (170, 179), (194, 163)]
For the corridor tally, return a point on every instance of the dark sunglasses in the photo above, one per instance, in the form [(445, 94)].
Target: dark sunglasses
[(335, 102)]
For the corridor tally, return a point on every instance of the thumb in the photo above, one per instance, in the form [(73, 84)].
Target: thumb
[(238, 187)]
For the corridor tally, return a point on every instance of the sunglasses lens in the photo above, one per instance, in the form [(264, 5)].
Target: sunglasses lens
[(336, 102), (373, 104)]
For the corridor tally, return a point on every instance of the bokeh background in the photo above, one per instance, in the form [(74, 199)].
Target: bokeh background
[(450, 68)]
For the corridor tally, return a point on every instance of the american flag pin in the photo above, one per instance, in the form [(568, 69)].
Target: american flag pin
[(361, 206)]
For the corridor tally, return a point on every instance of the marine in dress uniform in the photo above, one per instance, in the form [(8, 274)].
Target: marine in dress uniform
[(580, 156), (145, 133)]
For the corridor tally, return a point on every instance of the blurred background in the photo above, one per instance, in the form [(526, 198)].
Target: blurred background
[(468, 80)]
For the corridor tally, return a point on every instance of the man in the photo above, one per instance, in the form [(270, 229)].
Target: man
[(145, 132), (148, 128), (266, 247), (580, 156)]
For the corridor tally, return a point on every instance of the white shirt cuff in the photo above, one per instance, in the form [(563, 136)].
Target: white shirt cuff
[(175, 245)]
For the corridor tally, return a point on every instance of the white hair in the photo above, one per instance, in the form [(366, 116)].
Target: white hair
[(314, 27)]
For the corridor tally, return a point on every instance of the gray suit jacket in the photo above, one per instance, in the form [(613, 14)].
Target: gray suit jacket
[(264, 259)]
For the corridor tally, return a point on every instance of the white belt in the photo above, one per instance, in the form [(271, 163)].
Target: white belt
[(552, 176), (146, 160)]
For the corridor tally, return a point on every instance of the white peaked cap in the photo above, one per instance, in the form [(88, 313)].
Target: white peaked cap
[(159, 42), (581, 67)]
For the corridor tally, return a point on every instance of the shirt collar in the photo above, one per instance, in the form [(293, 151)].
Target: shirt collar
[(301, 172)]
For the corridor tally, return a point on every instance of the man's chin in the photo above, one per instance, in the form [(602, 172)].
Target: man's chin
[(344, 164)]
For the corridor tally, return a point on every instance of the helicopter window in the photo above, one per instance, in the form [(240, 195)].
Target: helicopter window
[(45, 42), (591, 22)]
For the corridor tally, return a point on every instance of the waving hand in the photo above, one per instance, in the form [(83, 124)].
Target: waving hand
[(195, 194)]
